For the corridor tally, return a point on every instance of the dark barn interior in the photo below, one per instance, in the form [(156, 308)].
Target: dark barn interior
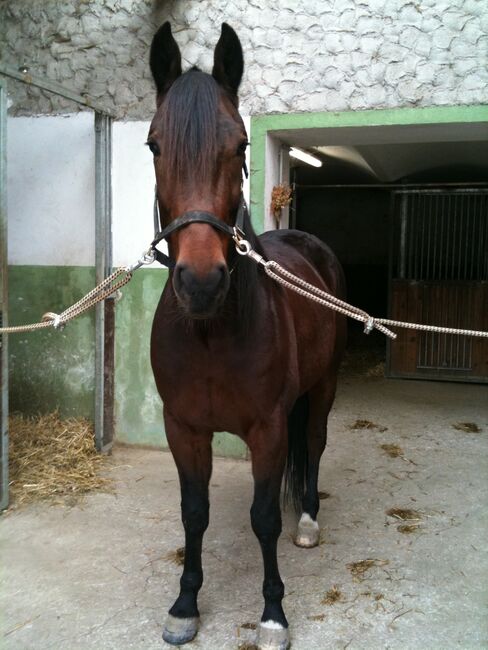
[(409, 223)]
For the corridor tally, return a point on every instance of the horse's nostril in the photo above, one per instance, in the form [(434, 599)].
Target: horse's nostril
[(218, 278), (222, 269), (179, 276)]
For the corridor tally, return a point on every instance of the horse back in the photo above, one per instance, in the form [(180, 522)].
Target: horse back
[(293, 248)]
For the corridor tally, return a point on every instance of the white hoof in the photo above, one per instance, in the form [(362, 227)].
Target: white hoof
[(180, 630), (308, 533), (273, 636)]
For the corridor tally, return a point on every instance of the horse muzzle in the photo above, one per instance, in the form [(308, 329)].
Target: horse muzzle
[(201, 295)]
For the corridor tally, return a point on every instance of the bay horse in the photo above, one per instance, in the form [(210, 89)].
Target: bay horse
[(232, 350)]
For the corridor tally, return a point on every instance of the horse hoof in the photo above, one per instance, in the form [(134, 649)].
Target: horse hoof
[(180, 630), (308, 534), (273, 636)]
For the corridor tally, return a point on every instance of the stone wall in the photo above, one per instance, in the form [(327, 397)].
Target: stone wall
[(309, 55)]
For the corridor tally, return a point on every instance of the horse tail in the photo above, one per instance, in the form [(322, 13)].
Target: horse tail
[(297, 460)]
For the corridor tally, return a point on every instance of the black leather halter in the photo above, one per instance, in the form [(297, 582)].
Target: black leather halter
[(196, 216)]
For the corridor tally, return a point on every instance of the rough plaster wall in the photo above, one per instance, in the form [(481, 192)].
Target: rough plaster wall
[(309, 55)]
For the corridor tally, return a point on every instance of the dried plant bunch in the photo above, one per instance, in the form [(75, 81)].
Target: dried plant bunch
[(280, 198)]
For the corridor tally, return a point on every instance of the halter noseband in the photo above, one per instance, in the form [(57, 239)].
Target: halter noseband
[(195, 216)]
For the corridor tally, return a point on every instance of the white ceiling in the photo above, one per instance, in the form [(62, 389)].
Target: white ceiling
[(390, 153)]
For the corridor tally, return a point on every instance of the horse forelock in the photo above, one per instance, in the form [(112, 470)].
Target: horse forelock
[(189, 126)]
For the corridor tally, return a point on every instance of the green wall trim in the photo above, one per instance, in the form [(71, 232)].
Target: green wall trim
[(261, 125), (51, 369), (378, 117), (138, 407)]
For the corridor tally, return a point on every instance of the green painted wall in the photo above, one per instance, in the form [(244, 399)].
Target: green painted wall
[(138, 406), (51, 369)]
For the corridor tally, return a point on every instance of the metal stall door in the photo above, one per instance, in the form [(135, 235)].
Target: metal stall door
[(439, 276), (3, 303)]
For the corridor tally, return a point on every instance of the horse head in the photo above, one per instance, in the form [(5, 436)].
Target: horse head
[(198, 141)]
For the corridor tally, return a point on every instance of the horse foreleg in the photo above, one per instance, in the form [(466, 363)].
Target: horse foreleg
[(192, 452), (268, 451)]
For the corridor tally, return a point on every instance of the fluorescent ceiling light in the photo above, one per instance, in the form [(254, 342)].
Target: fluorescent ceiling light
[(305, 157)]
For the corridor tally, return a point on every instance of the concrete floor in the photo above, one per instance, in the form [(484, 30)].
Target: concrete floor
[(101, 575)]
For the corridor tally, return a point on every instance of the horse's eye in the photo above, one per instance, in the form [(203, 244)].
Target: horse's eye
[(241, 149), (154, 147)]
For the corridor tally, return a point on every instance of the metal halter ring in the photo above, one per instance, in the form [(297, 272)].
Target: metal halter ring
[(146, 258), (243, 247)]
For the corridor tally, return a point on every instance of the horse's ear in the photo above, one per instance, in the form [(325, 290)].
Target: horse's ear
[(165, 59), (228, 60)]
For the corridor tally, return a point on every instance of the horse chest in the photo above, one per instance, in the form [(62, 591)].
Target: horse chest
[(222, 387)]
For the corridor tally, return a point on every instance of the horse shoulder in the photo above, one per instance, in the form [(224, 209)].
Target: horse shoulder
[(304, 254)]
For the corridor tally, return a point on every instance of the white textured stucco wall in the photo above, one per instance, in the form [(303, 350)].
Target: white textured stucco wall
[(309, 55)]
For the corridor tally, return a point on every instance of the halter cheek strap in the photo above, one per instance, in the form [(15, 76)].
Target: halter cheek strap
[(194, 216)]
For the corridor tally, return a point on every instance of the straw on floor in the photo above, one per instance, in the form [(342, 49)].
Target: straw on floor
[(53, 458)]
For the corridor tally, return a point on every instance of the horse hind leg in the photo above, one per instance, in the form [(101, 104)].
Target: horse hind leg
[(320, 400), (268, 452)]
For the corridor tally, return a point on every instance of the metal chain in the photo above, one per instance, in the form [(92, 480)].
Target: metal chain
[(310, 291), (102, 291)]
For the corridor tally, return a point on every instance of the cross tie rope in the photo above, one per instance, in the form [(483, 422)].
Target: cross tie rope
[(123, 275)]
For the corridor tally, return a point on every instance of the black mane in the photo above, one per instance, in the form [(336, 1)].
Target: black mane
[(244, 280)]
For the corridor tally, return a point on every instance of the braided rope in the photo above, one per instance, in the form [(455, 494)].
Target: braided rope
[(102, 291), (310, 291), (275, 271)]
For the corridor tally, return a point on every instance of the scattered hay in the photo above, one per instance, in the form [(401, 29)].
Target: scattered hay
[(248, 646), (467, 427), (393, 451), (363, 363), (324, 495), (359, 569), (316, 617), (375, 596), (405, 514), (366, 424), (177, 556), (376, 371), (248, 626), (408, 529), (333, 596), (51, 458)]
